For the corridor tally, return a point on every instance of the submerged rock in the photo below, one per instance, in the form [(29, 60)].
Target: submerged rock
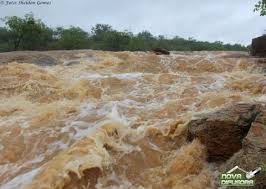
[(45, 61), (71, 62), (160, 51), (222, 132)]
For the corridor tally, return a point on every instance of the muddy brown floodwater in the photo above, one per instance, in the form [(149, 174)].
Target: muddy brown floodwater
[(110, 120)]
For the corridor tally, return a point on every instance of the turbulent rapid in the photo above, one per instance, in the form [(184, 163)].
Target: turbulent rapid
[(107, 120)]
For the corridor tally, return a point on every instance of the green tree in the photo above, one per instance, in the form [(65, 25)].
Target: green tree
[(116, 41), (106, 38), (72, 38), (100, 29), (144, 41), (261, 7), (4, 36), (27, 33), (100, 34), (145, 35)]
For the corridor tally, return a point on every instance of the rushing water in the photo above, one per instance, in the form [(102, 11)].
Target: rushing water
[(115, 120)]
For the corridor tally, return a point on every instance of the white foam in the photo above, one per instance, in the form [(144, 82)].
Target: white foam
[(21, 180), (133, 75), (92, 76), (218, 84), (58, 145), (83, 129), (96, 76), (86, 109), (116, 116), (1, 147), (6, 168), (261, 98)]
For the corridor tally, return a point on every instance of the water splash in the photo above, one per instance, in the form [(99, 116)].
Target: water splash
[(115, 120)]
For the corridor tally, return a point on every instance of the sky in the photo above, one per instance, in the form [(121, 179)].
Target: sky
[(229, 21)]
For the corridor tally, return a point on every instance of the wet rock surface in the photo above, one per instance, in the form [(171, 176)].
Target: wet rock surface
[(253, 153), (236, 134), (47, 58), (258, 46), (38, 58), (222, 132), (45, 61), (160, 51)]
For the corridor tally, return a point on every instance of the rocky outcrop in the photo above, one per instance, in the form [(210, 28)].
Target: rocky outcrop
[(222, 132), (253, 153), (160, 51), (236, 134), (258, 46)]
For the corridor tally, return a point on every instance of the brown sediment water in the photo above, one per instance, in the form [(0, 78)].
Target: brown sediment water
[(115, 119)]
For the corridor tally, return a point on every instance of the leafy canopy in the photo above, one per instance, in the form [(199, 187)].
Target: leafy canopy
[(29, 33), (72, 38), (261, 7)]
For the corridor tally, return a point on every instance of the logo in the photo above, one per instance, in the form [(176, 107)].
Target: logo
[(239, 177)]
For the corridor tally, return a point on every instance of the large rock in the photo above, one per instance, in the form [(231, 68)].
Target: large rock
[(160, 51), (222, 132), (258, 46), (253, 153)]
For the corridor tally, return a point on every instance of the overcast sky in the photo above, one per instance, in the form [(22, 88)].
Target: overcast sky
[(230, 21)]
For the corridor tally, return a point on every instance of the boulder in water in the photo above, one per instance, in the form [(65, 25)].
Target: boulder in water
[(222, 132), (253, 153), (258, 46), (160, 51)]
